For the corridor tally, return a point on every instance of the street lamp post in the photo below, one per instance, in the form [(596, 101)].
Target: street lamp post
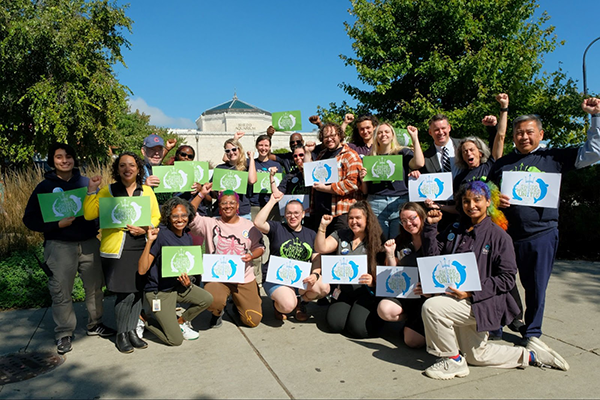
[(585, 88)]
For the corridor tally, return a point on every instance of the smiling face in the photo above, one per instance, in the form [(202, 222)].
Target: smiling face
[(296, 140), (331, 140), (440, 132), (185, 153), (233, 154), (527, 136), (299, 157), (153, 155), (63, 162), (357, 221), (384, 135), (263, 147), (128, 169), (411, 222), (471, 155), (228, 207), (294, 213), (179, 219), (365, 130), (475, 206)]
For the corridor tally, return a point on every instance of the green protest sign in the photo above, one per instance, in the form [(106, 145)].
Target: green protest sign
[(383, 168), (287, 120), (263, 182), (403, 136), (118, 212), (174, 178), (179, 259), (230, 179), (59, 205), (200, 170)]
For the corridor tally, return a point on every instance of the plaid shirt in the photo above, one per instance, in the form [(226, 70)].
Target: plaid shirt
[(346, 190)]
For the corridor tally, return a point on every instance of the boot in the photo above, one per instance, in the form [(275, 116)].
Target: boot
[(123, 343), (135, 340)]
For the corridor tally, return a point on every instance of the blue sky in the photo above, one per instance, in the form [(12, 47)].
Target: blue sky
[(190, 55)]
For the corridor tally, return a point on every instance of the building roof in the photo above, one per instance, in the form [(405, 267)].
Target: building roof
[(235, 105)]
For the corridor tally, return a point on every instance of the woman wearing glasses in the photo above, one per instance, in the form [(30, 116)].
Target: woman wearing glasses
[(236, 159), (386, 197), (403, 251), (294, 241)]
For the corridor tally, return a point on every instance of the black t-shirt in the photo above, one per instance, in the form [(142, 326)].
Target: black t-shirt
[(293, 183), (287, 243), (287, 161), (166, 237)]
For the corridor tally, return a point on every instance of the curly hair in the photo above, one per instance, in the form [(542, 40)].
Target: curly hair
[(373, 234), (138, 161), (240, 164), (170, 205), (406, 237), (356, 138), (337, 129), (483, 148)]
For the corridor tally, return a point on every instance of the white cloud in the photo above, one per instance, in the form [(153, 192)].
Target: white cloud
[(158, 117)]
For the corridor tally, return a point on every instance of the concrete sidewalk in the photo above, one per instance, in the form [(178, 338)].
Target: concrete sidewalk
[(302, 360)]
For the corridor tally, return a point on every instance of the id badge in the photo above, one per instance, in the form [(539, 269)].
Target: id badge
[(336, 293), (156, 305)]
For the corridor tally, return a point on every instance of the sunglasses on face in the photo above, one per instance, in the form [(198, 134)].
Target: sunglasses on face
[(234, 149), (299, 155), (295, 142), (186, 155)]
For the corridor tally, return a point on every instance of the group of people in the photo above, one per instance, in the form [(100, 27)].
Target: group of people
[(348, 217)]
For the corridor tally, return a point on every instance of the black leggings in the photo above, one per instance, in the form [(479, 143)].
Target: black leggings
[(127, 311), (354, 313)]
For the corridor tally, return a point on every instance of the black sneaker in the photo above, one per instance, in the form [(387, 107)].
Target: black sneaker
[(63, 345), (216, 321), (101, 330), (516, 325)]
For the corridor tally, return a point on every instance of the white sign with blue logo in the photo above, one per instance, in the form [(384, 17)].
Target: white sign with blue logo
[(322, 171), (437, 187), (534, 189), (450, 270), (343, 269), (288, 272), (302, 198), (397, 282), (223, 268)]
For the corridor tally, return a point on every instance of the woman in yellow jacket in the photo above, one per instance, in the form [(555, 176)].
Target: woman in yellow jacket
[(121, 248)]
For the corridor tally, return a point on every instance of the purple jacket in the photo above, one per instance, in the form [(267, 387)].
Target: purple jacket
[(493, 306)]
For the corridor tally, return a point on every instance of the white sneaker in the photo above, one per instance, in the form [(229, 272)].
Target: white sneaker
[(139, 329), (446, 368), (545, 356), (188, 332)]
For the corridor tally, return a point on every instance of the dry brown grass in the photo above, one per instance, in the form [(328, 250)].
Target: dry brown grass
[(19, 185)]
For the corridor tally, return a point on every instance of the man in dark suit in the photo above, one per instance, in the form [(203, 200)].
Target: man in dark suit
[(439, 130)]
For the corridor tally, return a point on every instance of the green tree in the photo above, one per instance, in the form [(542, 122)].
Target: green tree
[(57, 80), (418, 58)]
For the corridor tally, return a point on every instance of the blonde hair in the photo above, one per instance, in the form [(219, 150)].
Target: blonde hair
[(240, 164), (375, 151)]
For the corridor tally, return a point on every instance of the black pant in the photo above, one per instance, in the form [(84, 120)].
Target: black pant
[(355, 312)]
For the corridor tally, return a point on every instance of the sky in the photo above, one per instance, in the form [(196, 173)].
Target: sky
[(188, 56)]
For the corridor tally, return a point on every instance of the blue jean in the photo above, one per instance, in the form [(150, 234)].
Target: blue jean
[(387, 210), (535, 260)]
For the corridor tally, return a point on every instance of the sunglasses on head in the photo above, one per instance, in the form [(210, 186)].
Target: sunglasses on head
[(234, 149)]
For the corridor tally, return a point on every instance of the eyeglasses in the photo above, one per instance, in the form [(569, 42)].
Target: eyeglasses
[(180, 216), (234, 149), (329, 137), (299, 155), (292, 214), (405, 221), (189, 156), (295, 142)]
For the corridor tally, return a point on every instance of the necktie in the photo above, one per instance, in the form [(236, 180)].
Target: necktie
[(446, 167)]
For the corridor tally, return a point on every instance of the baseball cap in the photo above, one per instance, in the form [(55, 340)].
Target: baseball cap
[(153, 141)]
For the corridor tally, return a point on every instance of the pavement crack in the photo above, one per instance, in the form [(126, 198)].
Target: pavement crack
[(24, 350)]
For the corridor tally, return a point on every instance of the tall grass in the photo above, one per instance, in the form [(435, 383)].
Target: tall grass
[(19, 185)]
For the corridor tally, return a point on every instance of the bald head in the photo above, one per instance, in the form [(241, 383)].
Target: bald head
[(296, 140)]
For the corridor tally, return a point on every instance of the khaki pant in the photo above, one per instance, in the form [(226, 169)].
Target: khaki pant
[(245, 297), (450, 326)]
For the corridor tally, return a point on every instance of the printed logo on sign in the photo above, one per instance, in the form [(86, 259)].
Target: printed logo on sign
[(321, 173), (383, 169), (397, 283), (182, 261), (176, 180), (289, 273), (230, 181), (286, 122), (126, 214), (530, 191), (296, 250), (198, 173), (344, 271), (445, 274), (431, 188), (265, 183), (223, 269), (66, 206)]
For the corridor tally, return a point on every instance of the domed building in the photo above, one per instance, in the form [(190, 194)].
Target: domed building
[(232, 116)]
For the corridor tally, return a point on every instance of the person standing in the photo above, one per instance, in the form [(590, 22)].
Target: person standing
[(70, 246)]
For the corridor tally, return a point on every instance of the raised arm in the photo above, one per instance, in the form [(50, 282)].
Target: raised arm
[(498, 146), (325, 245), (589, 152), (260, 221), (252, 178), (146, 259), (418, 161)]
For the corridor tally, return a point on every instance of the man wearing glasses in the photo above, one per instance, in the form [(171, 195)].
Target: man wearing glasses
[(287, 159)]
